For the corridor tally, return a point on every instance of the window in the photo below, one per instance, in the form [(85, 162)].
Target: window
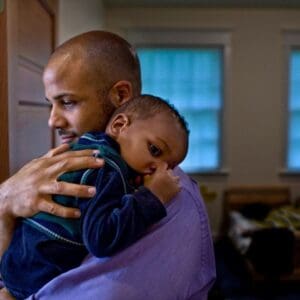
[(293, 111), (293, 155), (189, 73)]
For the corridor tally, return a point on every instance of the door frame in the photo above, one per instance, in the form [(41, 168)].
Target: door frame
[(4, 142)]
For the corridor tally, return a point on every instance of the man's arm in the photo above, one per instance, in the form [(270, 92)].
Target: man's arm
[(30, 190)]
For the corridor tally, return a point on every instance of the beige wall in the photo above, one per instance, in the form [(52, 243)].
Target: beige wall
[(77, 16), (254, 124)]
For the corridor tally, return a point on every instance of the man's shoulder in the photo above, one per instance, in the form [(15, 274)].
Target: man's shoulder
[(185, 179), (189, 187)]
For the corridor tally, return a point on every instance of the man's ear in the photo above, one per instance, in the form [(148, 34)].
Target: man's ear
[(118, 124), (120, 93)]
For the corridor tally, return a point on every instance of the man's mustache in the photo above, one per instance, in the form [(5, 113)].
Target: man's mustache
[(65, 132)]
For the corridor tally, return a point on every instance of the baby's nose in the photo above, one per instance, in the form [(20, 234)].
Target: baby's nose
[(162, 165)]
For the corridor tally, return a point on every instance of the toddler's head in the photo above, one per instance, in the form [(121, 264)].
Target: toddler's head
[(150, 132)]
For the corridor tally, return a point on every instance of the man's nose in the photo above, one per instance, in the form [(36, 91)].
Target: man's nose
[(56, 120)]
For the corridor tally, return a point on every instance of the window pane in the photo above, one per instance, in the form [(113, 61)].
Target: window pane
[(293, 153), (192, 80)]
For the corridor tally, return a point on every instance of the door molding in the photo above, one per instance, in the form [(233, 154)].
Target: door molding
[(4, 143)]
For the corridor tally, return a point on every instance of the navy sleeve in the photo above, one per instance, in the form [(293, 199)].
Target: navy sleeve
[(111, 220)]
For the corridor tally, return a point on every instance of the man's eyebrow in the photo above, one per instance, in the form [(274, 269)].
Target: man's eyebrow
[(59, 96)]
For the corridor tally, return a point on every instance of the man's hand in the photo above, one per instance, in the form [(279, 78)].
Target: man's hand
[(162, 183), (29, 190)]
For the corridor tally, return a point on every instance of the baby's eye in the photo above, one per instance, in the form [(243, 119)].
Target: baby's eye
[(155, 151)]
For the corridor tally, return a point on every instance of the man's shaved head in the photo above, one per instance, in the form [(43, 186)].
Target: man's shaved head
[(86, 79), (107, 57)]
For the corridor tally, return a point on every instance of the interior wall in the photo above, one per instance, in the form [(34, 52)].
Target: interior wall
[(76, 17), (255, 104)]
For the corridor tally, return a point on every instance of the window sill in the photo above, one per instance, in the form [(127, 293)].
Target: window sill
[(210, 173), (289, 173)]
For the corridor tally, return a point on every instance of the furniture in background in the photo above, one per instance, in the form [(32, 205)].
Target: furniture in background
[(268, 252)]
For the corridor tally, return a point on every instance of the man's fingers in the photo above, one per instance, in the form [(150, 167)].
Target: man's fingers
[(58, 210), (75, 163), (68, 189), (61, 152), (58, 150), (79, 153)]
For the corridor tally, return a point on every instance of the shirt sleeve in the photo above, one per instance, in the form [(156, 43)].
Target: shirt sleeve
[(113, 220)]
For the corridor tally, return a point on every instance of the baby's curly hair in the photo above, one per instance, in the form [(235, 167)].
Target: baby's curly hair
[(145, 106)]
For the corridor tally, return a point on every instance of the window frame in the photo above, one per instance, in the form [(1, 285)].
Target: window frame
[(193, 38)]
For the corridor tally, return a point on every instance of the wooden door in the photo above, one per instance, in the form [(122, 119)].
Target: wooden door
[(3, 96), (31, 32)]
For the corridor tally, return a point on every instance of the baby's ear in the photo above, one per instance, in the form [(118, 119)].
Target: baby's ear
[(117, 124)]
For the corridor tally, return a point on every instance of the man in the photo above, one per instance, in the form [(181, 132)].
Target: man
[(85, 80)]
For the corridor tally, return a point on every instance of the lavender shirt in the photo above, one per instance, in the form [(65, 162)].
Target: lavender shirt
[(174, 260)]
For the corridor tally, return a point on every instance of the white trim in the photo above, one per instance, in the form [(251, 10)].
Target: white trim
[(179, 37)]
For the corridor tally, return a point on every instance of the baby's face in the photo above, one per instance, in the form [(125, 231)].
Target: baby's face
[(145, 144)]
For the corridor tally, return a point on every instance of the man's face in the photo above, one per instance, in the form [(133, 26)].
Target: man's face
[(145, 144), (77, 103)]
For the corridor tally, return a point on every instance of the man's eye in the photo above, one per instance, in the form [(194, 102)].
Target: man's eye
[(68, 104), (155, 151)]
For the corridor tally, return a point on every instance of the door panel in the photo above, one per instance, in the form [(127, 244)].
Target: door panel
[(32, 40), (35, 31), (3, 97), (30, 86)]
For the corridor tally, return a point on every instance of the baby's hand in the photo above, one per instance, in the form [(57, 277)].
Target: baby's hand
[(162, 183)]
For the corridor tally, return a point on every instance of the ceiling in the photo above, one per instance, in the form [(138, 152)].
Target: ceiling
[(204, 3)]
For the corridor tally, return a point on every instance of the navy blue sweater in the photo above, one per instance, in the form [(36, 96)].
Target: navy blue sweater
[(45, 246)]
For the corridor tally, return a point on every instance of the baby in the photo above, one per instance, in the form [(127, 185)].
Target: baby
[(143, 141)]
